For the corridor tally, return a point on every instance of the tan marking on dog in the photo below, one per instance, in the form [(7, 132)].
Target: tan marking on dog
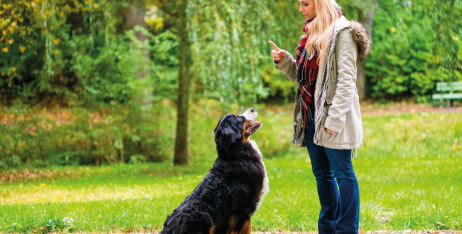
[(232, 223), (245, 137), (259, 195), (212, 230), (246, 228)]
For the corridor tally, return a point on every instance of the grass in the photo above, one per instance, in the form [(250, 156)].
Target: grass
[(409, 172)]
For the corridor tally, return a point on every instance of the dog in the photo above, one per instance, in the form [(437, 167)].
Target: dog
[(234, 188)]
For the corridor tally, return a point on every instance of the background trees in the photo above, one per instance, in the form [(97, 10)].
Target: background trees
[(132, 55)]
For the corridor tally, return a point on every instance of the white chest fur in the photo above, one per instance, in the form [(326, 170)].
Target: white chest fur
[(265, 188)]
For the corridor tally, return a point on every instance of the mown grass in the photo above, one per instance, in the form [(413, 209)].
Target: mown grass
[(409, 172)]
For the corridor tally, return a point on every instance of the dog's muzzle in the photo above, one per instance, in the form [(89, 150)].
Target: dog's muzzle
[(251, 115)]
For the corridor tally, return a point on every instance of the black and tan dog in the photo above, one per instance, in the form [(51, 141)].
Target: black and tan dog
[(234, 188)]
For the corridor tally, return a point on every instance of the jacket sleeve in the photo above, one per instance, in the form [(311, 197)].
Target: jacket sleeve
[(346, 56), (288, 67)]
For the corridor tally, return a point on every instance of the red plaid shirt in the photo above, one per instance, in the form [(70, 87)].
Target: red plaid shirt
[(307, 71)]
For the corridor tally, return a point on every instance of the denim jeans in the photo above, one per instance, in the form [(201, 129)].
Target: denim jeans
[(338, 188)]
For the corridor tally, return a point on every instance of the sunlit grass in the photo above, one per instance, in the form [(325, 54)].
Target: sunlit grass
[(409, 172)]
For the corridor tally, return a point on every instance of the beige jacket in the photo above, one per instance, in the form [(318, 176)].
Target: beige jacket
[(336, 98)]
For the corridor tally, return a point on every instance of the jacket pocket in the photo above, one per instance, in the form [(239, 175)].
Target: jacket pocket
[(324, 135)]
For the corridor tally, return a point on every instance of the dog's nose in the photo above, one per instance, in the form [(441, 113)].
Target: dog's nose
[(251, 109)]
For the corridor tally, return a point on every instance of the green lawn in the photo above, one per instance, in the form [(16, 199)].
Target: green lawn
[(409, 172)]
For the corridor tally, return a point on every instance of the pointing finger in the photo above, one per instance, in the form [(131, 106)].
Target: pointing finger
[(275, 46)]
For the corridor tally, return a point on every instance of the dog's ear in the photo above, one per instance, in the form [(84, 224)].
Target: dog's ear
[(218, 125), (226, 135)]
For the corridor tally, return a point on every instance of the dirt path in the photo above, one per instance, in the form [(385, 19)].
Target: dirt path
[(402, 108), (372, 232), (367, 232)]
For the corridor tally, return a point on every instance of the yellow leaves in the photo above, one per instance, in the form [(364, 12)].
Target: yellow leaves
[(22, 48), (56, 41), (56, 51), (7, 7), (14, 24), (455, 38), (33, 4), (25, 3), (95, 5), (393, 30), (11, 41), (159, 26), (5, 49), (46, 14)]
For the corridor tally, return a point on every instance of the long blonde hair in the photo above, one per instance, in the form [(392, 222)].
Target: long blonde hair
[(318, 29)]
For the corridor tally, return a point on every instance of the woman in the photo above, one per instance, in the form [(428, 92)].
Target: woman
[(327, 119)]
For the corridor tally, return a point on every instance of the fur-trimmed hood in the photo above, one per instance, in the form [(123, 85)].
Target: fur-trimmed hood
[(361, 37), (358, 33)]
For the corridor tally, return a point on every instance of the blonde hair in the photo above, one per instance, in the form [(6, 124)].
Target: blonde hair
[(318, 29)]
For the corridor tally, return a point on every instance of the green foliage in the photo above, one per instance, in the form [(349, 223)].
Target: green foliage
[(71, 54), (77, 54), (448, 31), (78, 136), (414, 46), (229, 38), (403, 62)]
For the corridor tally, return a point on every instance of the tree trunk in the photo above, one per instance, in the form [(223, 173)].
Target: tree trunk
[(367, 21), (134, 16), (181, 140), (76, 19)]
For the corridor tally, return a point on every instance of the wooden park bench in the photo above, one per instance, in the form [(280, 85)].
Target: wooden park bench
[(447, 91)]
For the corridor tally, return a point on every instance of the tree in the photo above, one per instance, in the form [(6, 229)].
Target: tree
[(134, 16), (184, 79), (228, 37), (367, 20)]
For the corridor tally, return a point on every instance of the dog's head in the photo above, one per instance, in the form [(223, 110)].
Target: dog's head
[(234, 129)]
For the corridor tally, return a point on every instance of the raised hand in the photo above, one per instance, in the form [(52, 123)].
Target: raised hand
[(277, 54)]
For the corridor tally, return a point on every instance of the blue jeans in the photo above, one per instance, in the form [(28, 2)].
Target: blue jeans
[(338, 188)]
